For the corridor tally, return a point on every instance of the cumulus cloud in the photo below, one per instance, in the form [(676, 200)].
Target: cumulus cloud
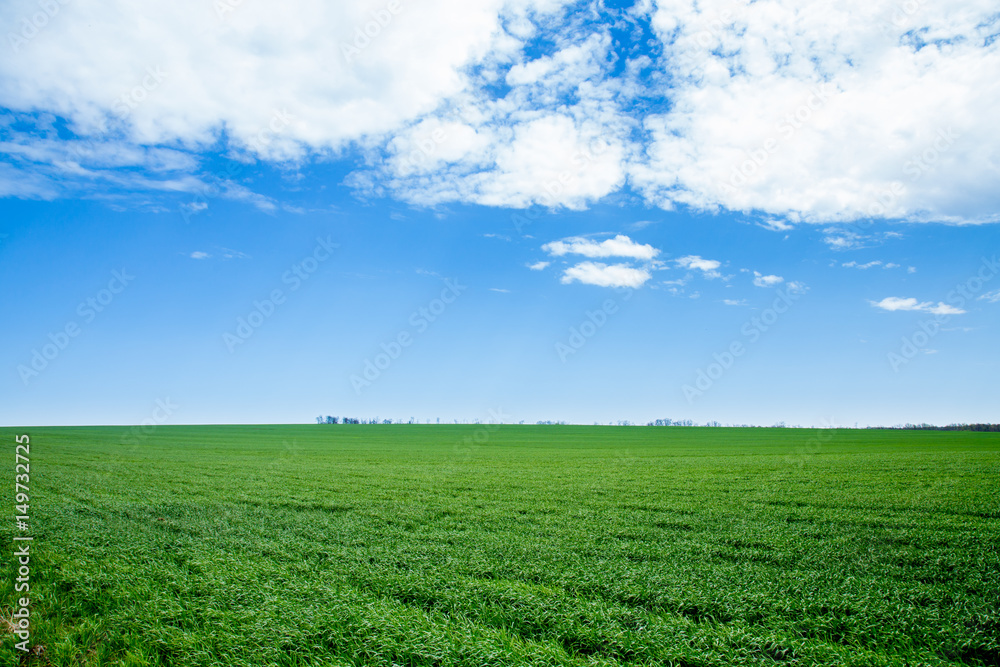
[(761, 280), (538, 266), (771, 108), (604, 275), (696, 262), (708, 267), (619, 246), (735, 302), (141, 65), (776, 106), (198, 254), (894, 303)]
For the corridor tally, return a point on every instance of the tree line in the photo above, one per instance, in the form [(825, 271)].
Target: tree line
[(992, 428), (989, 428)]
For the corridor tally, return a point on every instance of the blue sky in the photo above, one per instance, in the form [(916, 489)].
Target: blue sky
[(541, 211)]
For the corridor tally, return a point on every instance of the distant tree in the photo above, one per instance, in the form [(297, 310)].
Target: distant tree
[(319, 420)]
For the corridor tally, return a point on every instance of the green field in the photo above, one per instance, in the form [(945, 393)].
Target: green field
[(513, 545)]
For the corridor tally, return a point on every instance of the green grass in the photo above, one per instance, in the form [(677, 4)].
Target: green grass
[(557, 545)]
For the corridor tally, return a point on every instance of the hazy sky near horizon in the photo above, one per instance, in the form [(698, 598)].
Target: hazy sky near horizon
[(746, 212)]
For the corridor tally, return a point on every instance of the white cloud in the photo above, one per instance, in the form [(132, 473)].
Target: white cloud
[(795, 287), (265, 58), (708, 267), (839, 239), (283, 83), (696, 262), (641, 224), (194, 207), (198, 254), (894, 303), (775, 225), (735, 302), (676, 287), (619, 246), (500, 289), (761, 280), (772, 108), (538, 266), (871, 264), (992, 297), (777, 105), (604, 275)]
